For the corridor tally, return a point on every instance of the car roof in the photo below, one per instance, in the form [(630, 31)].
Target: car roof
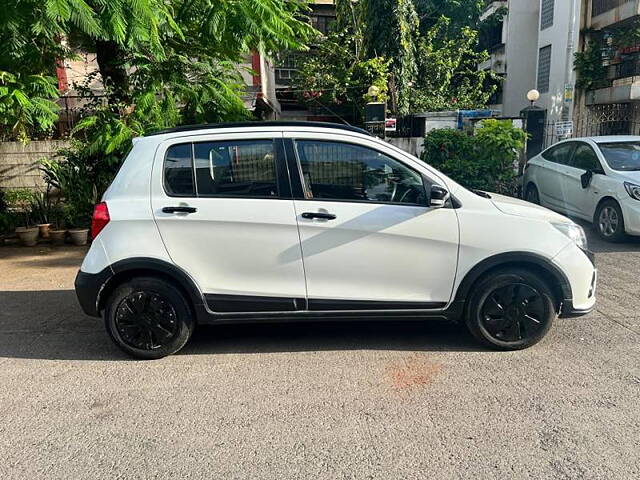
[(284, 125), (606, 139)]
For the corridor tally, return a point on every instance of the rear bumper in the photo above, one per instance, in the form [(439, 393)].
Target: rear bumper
[(88, 287)]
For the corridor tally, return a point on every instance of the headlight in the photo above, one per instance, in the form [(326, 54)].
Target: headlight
[(574, 232), (633, 190)]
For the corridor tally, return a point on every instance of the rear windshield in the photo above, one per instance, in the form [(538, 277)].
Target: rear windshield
[(623, 156)]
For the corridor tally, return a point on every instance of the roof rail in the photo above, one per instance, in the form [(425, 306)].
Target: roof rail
[(207, 126)]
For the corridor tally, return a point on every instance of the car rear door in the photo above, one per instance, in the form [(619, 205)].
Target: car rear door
[(368, 240), (551, 181), (223, 207)]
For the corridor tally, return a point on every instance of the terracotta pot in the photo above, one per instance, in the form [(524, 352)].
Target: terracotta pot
[(57, 237), (28, 235), (44, 229), (79, 236)]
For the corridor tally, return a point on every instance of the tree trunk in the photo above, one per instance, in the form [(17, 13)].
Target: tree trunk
[(115, 77)]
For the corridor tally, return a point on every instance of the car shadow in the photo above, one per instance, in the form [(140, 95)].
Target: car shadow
[(598, 245), (50, 325)]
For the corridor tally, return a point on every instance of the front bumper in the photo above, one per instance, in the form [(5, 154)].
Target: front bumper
[(579, 267), (88, 288)]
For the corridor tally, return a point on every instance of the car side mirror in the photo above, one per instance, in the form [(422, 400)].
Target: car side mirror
[(585, 178), (438, 196)]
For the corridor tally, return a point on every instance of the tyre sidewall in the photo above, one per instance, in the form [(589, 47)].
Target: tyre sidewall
[(620, 235), (498, 280), (184, 316)]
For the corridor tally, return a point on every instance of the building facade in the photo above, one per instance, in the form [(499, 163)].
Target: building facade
[(533, 47)]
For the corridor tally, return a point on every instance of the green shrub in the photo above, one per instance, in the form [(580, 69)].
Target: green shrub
[(19, 202), (486, 161)]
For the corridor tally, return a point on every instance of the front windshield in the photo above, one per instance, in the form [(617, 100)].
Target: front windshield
[(624, 156)]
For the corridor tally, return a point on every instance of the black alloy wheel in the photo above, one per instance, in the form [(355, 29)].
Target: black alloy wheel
[(146, 320), (149, 317), (513, 312), (511, 309)]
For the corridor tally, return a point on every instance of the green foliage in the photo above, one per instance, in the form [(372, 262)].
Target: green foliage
[(337, 74), (26, 105), (463, 13), (589, 66), (77, 180), (20, 201), (486, 161), (448, 76)]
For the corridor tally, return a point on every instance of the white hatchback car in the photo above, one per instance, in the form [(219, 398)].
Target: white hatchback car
[(596, 179), (306, 221)]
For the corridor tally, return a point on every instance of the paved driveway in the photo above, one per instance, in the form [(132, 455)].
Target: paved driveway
[(387, 400)]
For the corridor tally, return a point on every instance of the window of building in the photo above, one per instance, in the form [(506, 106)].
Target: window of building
[(546, 13), (544, 69), (347, 172)]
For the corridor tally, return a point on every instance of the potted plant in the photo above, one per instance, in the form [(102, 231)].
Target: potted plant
[(71, 178), (42, 209), (58, 233), (20, 201)]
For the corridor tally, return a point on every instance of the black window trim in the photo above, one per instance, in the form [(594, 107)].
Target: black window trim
[(283, 182), (572, 143), (300, 193)]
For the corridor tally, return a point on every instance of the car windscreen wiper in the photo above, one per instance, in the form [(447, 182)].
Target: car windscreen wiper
[(482, 194)]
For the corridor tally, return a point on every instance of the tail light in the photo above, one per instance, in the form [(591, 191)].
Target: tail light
[(100, 219)]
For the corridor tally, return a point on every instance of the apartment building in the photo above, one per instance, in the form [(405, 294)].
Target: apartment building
[(532, 47), (613, 107)]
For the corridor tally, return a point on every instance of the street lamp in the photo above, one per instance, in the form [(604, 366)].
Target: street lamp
[(533, 96)]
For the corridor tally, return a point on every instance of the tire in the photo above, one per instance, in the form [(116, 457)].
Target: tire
[(609, 222), (510, 309), (531, 194), (148, 318)]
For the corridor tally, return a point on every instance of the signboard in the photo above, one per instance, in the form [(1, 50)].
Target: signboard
[(568, 93), (564, 129), (390, 124)]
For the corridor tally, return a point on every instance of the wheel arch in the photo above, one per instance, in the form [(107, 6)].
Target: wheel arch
[(555, 278), (127, 269), (600, 202)]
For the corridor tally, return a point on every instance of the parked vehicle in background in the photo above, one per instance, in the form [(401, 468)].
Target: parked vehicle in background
[(302, 221), (595, 178)]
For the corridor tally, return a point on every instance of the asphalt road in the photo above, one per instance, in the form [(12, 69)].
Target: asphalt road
[(387, 400)]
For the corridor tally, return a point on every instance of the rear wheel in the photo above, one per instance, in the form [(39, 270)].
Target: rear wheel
[(511, 309), (609, 221), (531, 194), (148, 318)]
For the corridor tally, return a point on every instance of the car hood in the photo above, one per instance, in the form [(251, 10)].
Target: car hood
[(633, 176), (514, 206)]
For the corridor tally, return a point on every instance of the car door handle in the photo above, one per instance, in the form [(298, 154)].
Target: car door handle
[(179, 210), (320, 215)]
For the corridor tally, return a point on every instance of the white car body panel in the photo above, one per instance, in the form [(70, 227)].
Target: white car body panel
[(376, 252)]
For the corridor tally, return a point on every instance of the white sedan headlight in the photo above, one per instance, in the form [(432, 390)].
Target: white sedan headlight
[(574, 232), (633, 190)]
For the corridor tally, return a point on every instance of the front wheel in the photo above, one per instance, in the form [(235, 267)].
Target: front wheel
[(609, 221), (148, 318), (511, 310)]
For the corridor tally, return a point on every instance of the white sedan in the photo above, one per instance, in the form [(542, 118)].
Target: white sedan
[(595, 178)]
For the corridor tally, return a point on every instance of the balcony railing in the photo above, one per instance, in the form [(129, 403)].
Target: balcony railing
[(629, 68), (602, 6)]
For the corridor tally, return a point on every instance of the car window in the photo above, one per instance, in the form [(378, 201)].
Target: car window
[(236, 168), (585, 158), (623, 156), (178, 171), (560, 154), (343, 171)]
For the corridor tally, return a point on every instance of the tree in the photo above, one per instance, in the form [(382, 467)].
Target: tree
[(462, 13), (448, 75), (391, 27)]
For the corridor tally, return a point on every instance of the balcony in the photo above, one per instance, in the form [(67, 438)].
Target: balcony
[(605, 13)]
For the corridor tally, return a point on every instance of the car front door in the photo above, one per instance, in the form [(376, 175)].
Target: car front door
[(551, 175), (369, 242), (224, 210), (581, 201)]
